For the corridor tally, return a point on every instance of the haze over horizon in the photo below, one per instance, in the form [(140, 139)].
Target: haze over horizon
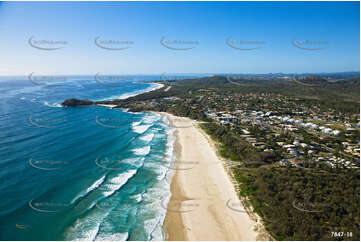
[(175, 74)]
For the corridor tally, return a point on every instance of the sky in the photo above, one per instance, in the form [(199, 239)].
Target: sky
[(178, 37)]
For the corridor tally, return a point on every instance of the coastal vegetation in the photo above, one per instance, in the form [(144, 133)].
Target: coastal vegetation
[(302, 182), (299, 204)]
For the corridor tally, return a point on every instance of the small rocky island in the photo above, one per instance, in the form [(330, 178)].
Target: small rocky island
[(76, 102)]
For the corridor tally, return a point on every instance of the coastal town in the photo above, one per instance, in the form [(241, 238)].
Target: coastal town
[(180, 120), (283, 142), (299, 134)]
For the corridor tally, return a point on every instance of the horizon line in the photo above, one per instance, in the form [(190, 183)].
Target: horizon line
[(177, 73)]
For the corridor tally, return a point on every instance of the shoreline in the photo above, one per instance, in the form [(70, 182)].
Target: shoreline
[(202, 190), (159, 86)]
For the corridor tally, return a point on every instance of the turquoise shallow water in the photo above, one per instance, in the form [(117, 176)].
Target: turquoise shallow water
[(88, 173)]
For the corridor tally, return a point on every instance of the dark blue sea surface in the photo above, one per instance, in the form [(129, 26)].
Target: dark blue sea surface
[(81, 173)]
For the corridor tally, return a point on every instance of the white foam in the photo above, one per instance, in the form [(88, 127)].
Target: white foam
[(136, 123), (81, 231), (165, 120), (147, 137), (123, 96), (113, 237), (137, 197), (138, 162), (140, 129), (158, 195), (94, 186), (151, 118), (142, 151), (151, 208), (153, 86), (54, 105), (154, 200), (117, 182), (160, 136)]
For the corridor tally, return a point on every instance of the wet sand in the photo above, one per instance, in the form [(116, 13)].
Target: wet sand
[(204, 203)]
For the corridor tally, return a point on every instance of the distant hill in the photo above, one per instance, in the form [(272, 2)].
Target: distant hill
[(311, 80), (342, 95)]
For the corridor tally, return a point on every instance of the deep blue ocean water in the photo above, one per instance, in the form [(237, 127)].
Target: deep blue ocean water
[(84, 173)]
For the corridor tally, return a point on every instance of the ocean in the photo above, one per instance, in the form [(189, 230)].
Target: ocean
[(81, 173)]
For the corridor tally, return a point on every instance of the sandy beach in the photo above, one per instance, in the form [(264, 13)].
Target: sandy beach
[(204, 204), (159, 86), (107, 105)]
